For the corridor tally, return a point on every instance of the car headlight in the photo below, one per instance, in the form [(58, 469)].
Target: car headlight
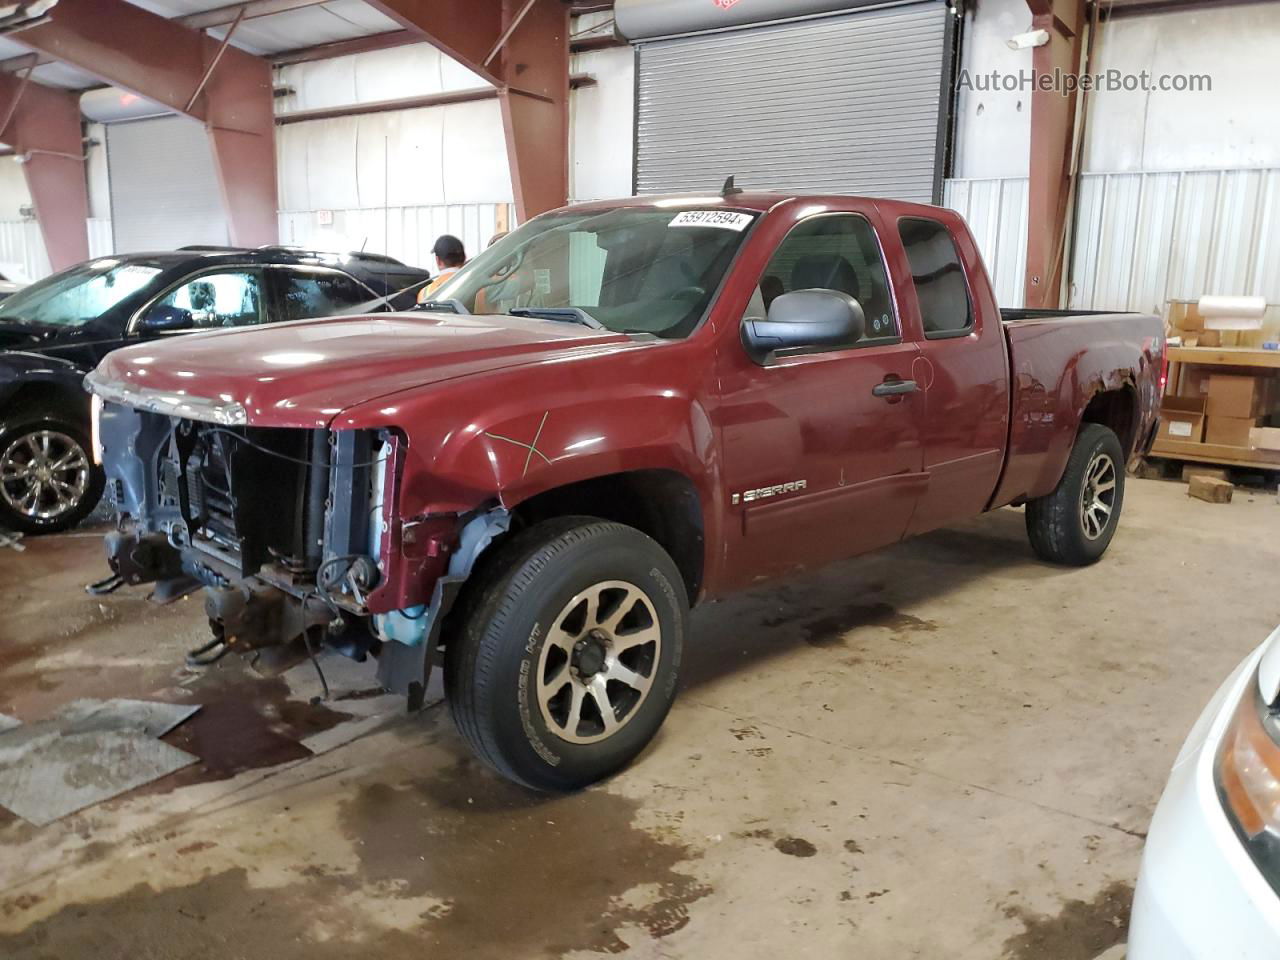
[(1247, 774)]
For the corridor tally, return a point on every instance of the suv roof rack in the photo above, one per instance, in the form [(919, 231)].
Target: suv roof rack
[(299, 251)]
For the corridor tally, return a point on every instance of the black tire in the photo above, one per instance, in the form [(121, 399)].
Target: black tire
[(12, 449), (499, 658), (1061, 527)]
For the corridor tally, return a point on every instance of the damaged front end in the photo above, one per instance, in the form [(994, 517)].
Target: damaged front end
[(293, 533)]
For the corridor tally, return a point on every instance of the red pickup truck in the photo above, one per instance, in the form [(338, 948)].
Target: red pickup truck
[(616, 411)]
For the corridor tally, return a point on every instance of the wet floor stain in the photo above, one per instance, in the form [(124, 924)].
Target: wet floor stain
[(1081, 930), (246, 722), (507, 873), (829, 630), (795, 847), (519, 872)]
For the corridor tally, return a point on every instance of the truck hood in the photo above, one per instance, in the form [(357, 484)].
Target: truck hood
[(305, 373)]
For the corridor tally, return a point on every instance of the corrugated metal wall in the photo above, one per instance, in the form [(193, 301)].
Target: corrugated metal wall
[(1141, 239), (996, 211), (21, 244), (406, 233)]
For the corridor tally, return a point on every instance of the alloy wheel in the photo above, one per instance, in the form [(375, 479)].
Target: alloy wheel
[(598, 663), (44, 474), (1098, 495)]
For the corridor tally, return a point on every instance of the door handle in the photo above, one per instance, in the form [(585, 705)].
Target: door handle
[(894, 388)]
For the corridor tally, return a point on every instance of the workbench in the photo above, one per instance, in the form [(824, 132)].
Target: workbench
[(1249, 357)]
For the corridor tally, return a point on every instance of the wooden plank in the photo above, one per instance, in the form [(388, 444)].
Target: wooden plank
[(1225, 356), (1217, 453)]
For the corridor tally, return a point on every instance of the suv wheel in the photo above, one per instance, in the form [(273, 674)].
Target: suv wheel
[(48, 481), (565, 663)]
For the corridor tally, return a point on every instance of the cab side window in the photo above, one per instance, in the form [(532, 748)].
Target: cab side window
[(835, 252), (938, 276), (231, 299)]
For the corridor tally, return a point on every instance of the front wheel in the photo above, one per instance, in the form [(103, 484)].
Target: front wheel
[(1074, 524), (566, 660), (48, 482)]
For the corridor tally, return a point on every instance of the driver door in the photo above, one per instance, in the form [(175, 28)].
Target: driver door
[(820, 461)]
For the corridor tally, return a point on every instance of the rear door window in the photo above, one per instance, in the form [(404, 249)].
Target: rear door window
[(938, 276), (317, 293)]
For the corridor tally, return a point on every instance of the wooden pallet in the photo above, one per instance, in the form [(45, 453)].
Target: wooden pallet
[(1217, 453)]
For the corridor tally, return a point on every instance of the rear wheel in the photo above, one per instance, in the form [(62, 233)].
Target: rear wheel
[(48, 481), (1074, 524), (565, 663)]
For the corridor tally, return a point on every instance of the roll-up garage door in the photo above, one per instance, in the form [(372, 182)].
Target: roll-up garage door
[(847, 103), (164, 191)]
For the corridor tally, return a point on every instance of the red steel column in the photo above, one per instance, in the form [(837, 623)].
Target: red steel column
[(523, 50), (1053, 117), (167, 62), (44, 128), (535, 105)]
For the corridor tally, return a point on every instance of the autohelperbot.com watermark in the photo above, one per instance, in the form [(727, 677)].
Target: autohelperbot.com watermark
[(1065, 83)]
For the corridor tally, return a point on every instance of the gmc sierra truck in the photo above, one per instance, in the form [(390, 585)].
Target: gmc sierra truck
[(618, 410)]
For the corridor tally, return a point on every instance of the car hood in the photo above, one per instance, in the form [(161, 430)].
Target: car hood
[(305, 373)]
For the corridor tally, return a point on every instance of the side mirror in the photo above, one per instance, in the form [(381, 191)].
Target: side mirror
[(163, 318), (804, 320)]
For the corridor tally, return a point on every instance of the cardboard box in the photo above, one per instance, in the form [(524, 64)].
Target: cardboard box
[(1265, 438), (1209, 338), (1228, 431), (1182, 419), (1235, 396), (1194, 381), (1210, 489), (1185, 315)]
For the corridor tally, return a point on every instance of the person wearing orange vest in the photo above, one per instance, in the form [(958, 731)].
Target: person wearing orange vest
[(450, 256)]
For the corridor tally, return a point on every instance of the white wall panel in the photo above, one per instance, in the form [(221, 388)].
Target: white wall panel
[(407, 233), (1145, 239), (1141, 239), (22, 246), (429, 156), (410, 71), (602, 125), (996, 211)]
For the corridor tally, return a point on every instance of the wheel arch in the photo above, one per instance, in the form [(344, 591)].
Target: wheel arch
[(661, 503), (1116, 409)]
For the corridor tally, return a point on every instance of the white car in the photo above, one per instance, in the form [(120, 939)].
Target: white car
[(1210, 882)]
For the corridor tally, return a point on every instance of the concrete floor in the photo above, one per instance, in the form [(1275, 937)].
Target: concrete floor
[(944, 749)]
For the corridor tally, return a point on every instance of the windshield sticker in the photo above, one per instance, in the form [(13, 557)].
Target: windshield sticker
[(723, 219)]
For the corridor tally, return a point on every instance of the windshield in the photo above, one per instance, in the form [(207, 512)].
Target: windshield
[(78, 295), (633, 269)]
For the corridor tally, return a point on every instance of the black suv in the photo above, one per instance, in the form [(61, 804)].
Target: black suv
[(55, 331)]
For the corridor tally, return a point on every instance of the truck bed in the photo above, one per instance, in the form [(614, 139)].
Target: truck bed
[(1059, 361)]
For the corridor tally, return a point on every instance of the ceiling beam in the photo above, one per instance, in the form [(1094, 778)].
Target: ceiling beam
[(186, 70), (344, 48)]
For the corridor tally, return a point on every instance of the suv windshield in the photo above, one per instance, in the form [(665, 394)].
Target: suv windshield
[(632, 269), (78, 295)]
